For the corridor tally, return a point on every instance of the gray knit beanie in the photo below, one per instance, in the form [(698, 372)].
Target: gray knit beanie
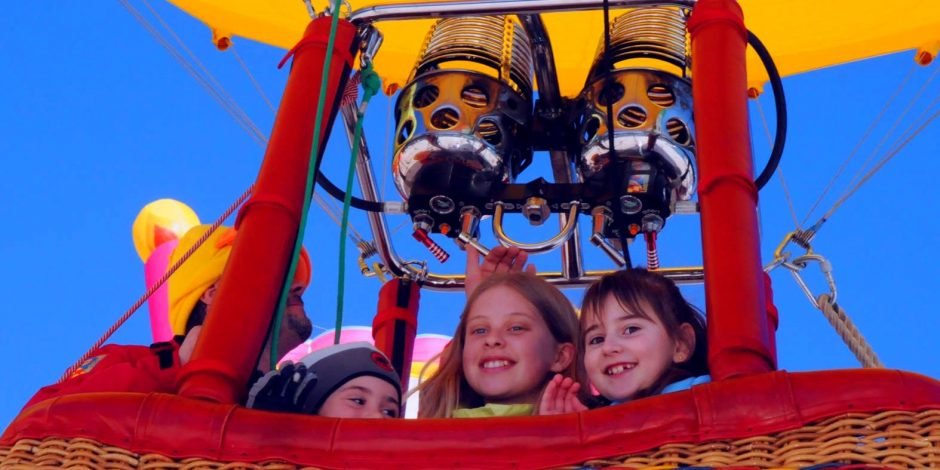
[(336, 365)]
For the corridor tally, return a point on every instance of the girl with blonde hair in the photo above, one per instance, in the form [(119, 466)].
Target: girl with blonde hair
[(515, 333)]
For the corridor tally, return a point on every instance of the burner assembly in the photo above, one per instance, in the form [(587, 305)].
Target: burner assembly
[(464, 129), (462, 121), (483, 101)]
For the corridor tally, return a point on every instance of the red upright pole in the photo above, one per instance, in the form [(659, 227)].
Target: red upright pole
[(396, 324), (242, 310), (739, 336)]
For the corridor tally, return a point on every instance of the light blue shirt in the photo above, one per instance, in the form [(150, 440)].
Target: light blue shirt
[(679, 386), (686, 384)]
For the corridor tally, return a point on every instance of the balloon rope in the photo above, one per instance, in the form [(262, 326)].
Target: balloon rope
[(160, 282), (311, 172), (370, 85)]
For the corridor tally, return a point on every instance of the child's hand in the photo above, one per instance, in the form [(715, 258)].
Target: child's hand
[(500, 260), (561, 396), (283, 390)]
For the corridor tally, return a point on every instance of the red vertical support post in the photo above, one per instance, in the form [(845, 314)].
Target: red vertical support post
[(396, 324), (243, 308), (739, 334)]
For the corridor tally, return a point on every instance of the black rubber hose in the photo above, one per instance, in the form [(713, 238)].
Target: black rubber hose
[(340, 195), (780, 102)]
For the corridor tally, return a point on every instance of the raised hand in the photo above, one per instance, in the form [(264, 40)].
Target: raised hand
[(500, 260), (561, 396), (282, 390)]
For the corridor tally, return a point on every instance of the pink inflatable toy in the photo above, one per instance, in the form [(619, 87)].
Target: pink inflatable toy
[(158, 303)]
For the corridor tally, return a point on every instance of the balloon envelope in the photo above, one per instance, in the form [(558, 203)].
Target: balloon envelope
[(801, 35)]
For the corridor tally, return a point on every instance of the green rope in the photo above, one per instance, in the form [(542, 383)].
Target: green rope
[(308, 193), (371, 83)]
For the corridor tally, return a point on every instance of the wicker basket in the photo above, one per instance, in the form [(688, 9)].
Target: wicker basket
[(895, 439)]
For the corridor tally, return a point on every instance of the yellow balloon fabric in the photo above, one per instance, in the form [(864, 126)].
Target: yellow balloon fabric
[(802, 35), (159, 222)]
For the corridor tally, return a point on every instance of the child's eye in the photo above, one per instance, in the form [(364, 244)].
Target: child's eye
[(478, 331), (631, 330), (596, 340), (391, 413), (515, 328), (358, 401)]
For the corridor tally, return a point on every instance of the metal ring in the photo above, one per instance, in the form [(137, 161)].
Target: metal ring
[(538, 247)]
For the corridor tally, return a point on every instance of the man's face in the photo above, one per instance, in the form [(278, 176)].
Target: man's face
[(295, 328)]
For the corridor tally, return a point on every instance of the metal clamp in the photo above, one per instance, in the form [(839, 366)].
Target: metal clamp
[(418, 271), (538, 247), (369, 46), (781, 257), (328, 11), (310, 10)]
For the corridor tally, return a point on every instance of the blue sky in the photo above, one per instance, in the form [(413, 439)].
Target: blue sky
[(98, 120)]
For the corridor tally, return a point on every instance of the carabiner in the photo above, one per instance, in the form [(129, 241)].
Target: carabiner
[(801, 262)]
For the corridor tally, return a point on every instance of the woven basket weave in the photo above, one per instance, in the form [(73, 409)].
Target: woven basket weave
[(896, 439)]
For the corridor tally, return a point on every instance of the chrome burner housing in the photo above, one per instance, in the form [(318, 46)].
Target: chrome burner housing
[(463, 118), (467, 108), (645, 88), (652, 122)]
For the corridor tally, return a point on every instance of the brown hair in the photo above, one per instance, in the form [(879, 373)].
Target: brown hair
[(634, 290), (447, 389)]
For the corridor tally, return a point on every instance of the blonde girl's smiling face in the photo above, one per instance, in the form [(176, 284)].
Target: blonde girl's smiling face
[(626, 352), (509, 353)]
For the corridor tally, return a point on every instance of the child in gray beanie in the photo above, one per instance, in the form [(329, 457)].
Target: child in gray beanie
[(352, 380)]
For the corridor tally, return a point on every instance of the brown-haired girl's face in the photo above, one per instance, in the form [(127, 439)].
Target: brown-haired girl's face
[(509, 352), (626, 352)]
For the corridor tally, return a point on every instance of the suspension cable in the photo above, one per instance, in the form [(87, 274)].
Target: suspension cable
[(894, 125), (204, 77), (251, 76), (783, 180), (858, 145), (209, 76), (212, 86), (251, 129), (890, 155)]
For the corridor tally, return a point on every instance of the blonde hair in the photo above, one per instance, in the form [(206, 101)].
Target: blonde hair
[(447, 389)]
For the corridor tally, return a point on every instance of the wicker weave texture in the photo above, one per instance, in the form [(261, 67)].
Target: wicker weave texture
[(88, 454), (894, 439)]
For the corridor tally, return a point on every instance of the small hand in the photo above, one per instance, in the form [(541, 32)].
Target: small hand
[(500, 260), (282, 390), (561, 396)]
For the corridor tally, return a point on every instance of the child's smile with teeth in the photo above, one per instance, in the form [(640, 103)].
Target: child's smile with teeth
[(618, 368), (512, 348), (495, 363), (625, 352)]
